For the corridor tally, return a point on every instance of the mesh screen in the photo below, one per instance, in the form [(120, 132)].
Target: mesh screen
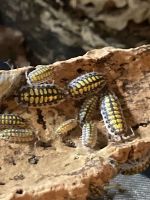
[(123, 187)]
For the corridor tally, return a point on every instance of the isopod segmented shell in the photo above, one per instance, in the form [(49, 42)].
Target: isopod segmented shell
[(11, 120), (88, 108), (135, 166), (39, 95), (66, 127), (40, 74), (17, 135), (113, 116), (89, 134), (86, 84)]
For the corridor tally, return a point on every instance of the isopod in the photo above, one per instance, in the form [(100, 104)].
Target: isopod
[(88, 109), (113, 116), (11, 120), (39, 95), (135, 166), (86, 84), (66, 127), (89, 134), (40, 74), (17, 135)]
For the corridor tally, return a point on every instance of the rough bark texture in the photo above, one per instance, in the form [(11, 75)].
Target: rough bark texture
[(55, 30), (60, 172)]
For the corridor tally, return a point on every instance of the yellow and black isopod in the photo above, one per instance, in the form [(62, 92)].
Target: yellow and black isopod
[(11, 120), (135, 166), (89, 134), (39, 95), (86, 84), (17, 135), (88, 109), (66, 127), (113, 116), (40, 74)]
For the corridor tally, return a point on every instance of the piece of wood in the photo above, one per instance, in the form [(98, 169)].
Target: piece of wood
[(67, 173)]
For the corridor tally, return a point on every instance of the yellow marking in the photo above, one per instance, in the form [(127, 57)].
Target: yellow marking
[(85, 89), (116, 112), (107, 105), (93, 78), (54, 91), (86, 81), (36, 91), (45, 91), (13, 117), (92, 86), (96, 84), (112, 99), (89, 87), (2, 116), (89, 79), (26, 96), (75, 91), (118, 126), (113, 122), (41, 91), (45, 99), (49, 73), (50, 98), (81, 91), (41, 99), (17, 122), (97, 77), (3, 121), (82, 83), (110, 112), (50, 91), (78, 85), (33, 78), (114, 104), (55, 97), (112, 117), (119, 120), (31, 100), (36, 100), (31, 92), (118, 116)]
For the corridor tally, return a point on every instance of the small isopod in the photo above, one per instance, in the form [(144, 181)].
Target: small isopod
[(113, 116), (88, 109), (86, 84), (39, 95), (40, 74), (11, 120), (66, 127), (135, 166), (89, 134), (17, 135)]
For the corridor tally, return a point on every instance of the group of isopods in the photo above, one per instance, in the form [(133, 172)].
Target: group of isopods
[(89, 86), (93, 89)]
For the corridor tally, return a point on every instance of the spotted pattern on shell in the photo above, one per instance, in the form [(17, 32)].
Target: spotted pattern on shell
[(113, 116), (86, 84), (17, 135), (39, 95), (11, 120)]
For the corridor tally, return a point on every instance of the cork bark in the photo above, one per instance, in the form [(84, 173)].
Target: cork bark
[(60, 172)]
